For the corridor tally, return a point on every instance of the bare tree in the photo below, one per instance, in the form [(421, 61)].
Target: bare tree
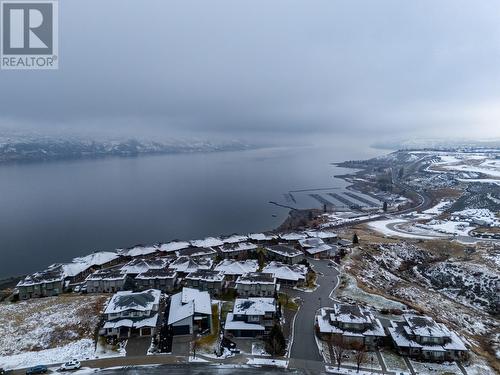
[(360, 355), (338, 348)]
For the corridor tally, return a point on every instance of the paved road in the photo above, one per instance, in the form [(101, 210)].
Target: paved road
[(304, 345)]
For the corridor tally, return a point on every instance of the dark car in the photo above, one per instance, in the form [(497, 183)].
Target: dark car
[(40, 369)]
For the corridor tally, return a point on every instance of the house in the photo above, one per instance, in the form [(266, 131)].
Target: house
[(327, 236), (185, 265), (235, 238), (99, 259), (251, 317), (256, 284), (284, 253), (207, 242), (161, 279), (173, 246), (315, 247), (292, 237), (190, 312), (353, 325), (421, 337), (207, 280), (196, 252), (234, 268), (141, 265), (262, 238), (109, 280), (47, 283), (287, 274), (236, 250), (132, 314), (138, 251)]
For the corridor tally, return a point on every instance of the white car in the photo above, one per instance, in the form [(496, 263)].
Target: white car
[(71, 365)]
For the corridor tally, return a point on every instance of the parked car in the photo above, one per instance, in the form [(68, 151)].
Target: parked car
[(40, 369), (71, 365), (4, 371), (77, 289)]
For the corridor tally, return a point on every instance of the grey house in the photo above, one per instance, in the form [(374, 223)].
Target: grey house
[(251, 317), (206, 280), (42, 284), (132, 314), (106, 281), (285, 254), (162, 279), (256, 284)]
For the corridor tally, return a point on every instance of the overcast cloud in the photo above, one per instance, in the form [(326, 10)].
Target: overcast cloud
[(382, 69)]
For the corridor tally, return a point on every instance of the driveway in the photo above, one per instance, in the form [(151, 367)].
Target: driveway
[(304, 344), (137, 346)]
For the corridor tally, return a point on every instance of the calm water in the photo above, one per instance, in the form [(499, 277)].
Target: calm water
[(52, 212)]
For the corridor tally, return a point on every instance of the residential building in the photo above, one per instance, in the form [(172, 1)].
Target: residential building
[(234, 268), (139, 251), (173, 246), (353, 325), (287, 274), (185, 265), (161, 279), (327, 236), (190, 312), (196, 252), (315, 247), (141, 265), (422, 338), (292, 237), (251, 317), (106, 281), (237, 250), (284, 253), (256, 284), (206, 280), (46, 283), (132, 314)]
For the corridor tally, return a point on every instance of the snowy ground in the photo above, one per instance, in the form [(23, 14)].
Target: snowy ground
[(49, 330), (385, 227)]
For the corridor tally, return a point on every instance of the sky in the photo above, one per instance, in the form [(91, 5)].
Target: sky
[(267, 70)]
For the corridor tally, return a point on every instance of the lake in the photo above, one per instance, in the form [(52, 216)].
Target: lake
[(53, 211)]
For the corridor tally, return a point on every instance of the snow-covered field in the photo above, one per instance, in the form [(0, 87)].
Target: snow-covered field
[(48, 329)]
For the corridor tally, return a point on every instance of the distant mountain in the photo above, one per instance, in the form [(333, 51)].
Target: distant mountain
[(34, 148)]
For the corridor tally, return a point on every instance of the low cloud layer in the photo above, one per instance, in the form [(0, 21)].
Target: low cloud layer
[(253, 68)]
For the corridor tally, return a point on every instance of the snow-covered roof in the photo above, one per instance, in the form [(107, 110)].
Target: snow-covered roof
[(350, 314), (292, 236), (186, 264), (137, 251), (311, 242), (262, 236), (321, 234), (74, 269), (49, 275), (232, 324), (107, 274), (157, 274), (195, 252), (146, 322), (235, 267), (234, 238), (98, 258), (320, 249), (235, 247), (293, 272), (136, 266), (283, 250), (207, 242), (188, 302), (127, 300), (206, 275), (425, 326), (256, 278), (254, 306), (174, 246)]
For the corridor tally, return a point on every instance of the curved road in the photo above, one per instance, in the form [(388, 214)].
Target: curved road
[(304, 353)]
